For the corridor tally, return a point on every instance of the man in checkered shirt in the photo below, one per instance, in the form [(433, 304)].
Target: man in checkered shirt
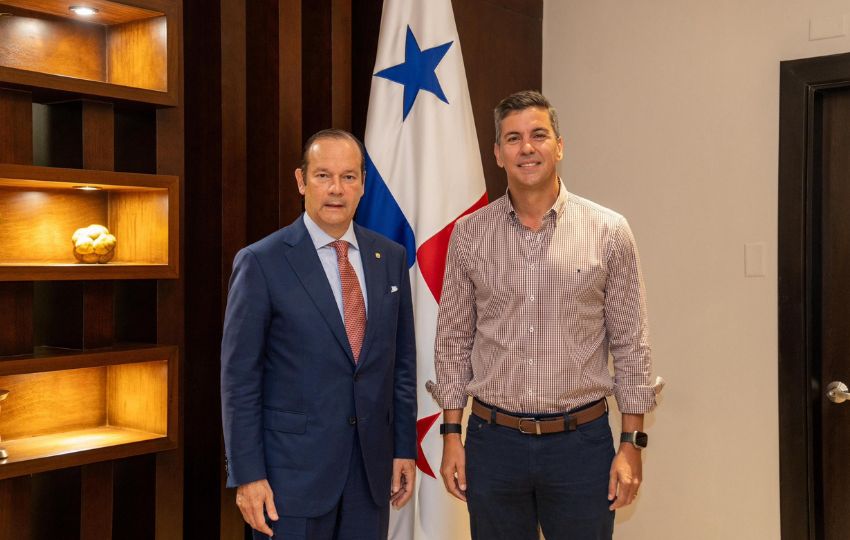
[(540, 286)]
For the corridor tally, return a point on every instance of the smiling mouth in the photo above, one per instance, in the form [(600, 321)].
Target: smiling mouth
[(529, 164)]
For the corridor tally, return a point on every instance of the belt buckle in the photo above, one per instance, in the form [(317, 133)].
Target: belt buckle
[(536, 425)]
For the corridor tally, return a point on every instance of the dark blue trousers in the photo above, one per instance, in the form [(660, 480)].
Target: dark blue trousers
[(559, 482), (355, 516)]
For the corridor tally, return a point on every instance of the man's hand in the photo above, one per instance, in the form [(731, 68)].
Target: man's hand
[(252, 499), (404, 481), (626, 475), (453, 468)]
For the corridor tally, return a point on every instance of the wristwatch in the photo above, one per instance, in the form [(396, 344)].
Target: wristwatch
[(638, 438), (450, 428)]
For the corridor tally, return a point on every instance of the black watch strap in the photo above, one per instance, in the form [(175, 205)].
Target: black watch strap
[(638, 438), (450, 428)]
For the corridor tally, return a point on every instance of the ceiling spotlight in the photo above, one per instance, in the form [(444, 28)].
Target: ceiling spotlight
[(87, 188), (83, 11)]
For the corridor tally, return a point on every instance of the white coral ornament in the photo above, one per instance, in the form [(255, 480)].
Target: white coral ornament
[(93, 244)]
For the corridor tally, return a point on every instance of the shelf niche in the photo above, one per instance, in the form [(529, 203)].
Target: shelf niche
[(41, 207), (71, 409), (45, 45)]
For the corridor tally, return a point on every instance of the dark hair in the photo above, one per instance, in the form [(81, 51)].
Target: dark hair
[(520, 101), (333, 134)]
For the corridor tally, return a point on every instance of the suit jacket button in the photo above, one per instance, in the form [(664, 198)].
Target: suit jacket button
[(356, 377), (352, 420)]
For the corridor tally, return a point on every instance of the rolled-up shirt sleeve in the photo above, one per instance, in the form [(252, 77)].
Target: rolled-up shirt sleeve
[(627, 325), (455, 327)]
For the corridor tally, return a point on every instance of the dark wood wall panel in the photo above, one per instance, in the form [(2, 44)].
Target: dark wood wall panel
[(503, 53), (292, 109), (171, 136), (340, 78), (15, 508), (366, 22), (205, 83), (16, 315), (317, 65), (58, 131), (15, 127), (234, 187), (98, 314), (98, 134), (58, 314), (55, 504), (263, 111), (96, 504), (134, 501), (135, 140)]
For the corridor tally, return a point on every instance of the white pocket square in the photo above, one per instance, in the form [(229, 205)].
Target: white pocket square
[(393, 288)]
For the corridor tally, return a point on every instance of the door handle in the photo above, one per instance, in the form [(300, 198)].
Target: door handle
[(837, 392)]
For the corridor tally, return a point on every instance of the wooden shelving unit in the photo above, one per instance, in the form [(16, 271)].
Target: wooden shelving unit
[(66, 409), (91, 352), (121, 52), (41, 207)]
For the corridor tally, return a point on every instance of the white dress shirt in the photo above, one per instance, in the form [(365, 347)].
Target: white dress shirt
[(327, 255)]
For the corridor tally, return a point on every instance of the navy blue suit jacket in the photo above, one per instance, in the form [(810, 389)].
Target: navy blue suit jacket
[(291, 396)]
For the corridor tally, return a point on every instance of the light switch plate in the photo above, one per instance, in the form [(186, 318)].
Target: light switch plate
[(827, 27), (754, 259)]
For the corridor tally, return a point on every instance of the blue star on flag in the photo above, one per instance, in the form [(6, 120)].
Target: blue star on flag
[(417, 72)]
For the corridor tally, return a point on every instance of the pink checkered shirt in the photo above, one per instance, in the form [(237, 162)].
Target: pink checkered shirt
[(527, 318)]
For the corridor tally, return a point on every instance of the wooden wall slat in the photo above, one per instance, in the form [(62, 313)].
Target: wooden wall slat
[(16, 317), (341, 64), (234, 183), (15, 127), (98, 132), (263, 111), (292, 110), (15, 508), (96, 501), (207, 84), (171, 303)]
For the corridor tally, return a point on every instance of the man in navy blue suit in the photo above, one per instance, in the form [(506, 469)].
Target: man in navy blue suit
[(318, 375)]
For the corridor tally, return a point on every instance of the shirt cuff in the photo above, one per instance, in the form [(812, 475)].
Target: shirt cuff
[(446, 396), (635, 399)]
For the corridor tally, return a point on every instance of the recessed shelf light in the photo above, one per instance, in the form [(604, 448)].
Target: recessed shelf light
[(87, 188), (83, 11)]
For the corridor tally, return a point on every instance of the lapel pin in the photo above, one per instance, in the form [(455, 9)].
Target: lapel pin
[(377, 254)]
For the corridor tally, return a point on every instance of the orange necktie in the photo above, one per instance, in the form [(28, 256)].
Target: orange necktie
[(353, 305)]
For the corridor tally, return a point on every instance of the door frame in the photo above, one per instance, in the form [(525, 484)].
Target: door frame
[(802, 83)]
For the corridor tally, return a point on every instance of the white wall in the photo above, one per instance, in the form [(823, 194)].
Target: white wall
[(670, 115)]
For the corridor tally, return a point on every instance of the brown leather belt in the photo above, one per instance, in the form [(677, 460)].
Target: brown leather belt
[(533, 426)]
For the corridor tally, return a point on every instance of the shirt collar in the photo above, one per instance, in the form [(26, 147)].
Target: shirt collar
[(557, 207), (321, 239)]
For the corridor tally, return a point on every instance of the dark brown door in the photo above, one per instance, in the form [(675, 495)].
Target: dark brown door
[(814, 297), (835, 312)]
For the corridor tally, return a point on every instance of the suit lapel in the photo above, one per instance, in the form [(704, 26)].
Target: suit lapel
[(307, 266), (374, 266)]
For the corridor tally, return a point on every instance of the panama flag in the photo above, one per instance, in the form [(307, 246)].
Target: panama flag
[(423, 172)]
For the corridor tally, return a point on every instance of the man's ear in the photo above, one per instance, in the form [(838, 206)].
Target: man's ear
[(299, 179), (496, 149)]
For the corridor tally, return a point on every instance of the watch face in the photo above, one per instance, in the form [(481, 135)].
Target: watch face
[(641, 439)]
